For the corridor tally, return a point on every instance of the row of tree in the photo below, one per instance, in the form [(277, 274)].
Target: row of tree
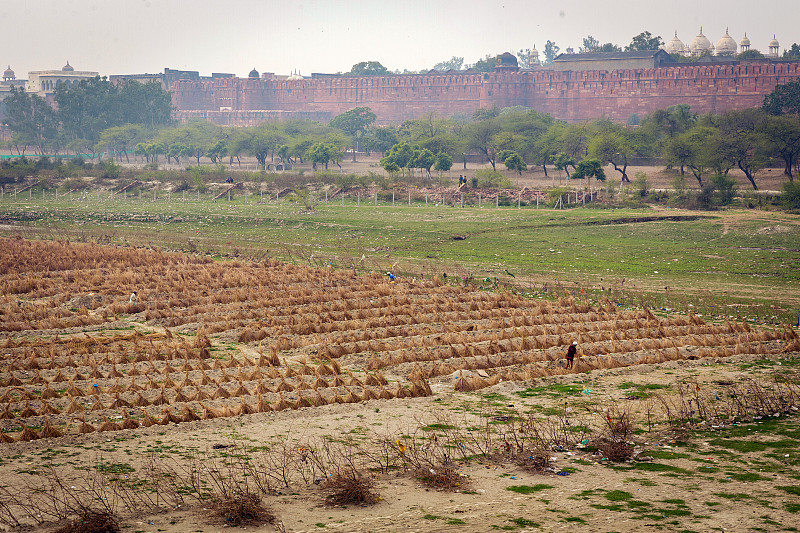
[(98, 116), (82, 113)]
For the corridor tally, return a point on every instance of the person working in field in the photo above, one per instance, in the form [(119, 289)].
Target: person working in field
[(571, 351), (133, 299)]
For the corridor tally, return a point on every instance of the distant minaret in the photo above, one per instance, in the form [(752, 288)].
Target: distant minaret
[(774, 47), (744, 44), (533, 57)]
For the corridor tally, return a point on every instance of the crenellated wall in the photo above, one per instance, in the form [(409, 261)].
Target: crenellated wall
[(570, 95)]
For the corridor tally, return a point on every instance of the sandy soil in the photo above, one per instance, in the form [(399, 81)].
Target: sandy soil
[(407, 505)]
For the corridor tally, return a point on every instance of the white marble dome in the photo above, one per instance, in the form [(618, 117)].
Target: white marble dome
[(726, 46), (745, 42), (675, 46), (700, 45)]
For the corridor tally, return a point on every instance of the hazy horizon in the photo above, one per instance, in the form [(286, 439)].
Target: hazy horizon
[(145, 36)]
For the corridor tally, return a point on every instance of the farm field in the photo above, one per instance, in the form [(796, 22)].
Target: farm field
[(280, 380), (727, 264)]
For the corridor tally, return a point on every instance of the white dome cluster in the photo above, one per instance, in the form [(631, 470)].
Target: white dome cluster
[(726, 46)]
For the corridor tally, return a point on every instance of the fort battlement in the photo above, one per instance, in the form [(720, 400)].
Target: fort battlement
[(573, 96)]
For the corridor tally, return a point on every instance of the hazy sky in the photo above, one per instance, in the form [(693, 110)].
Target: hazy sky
[(136, 36)]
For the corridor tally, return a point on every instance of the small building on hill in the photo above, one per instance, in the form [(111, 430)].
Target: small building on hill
[(612, 60)]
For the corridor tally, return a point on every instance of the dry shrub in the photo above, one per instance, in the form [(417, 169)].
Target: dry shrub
[(350, 488), (616, 451), (535, 459), (442, 478), (91, 521), (244, 509)]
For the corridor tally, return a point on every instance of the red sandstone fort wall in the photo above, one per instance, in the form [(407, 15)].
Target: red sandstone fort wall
[(570, 96)]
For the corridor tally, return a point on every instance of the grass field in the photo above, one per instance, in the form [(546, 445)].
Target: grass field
[(739, 264)]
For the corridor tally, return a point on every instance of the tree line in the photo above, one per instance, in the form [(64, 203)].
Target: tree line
[(82, 113), (134, 119)]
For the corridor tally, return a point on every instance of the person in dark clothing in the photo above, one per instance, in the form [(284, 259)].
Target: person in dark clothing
[(571, 351)]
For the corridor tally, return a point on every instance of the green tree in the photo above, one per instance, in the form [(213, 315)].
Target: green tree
[(454, 63), (790, 197), (793, 53), (480, 137), (783, 99), (381, 139), (217, 151), (30, 118), (563, 162), (120, 139), (588, 169), (513, 161), (608, 47), (616, 146), (550, 52), (645, 41), (355, 123), (443, 162), (88, 108), (144, 103), (670, 121), (177, 150), (487, 64), (424, 159), (320, 153), (783, 133), (590, 44), (742, 141), (400, 155), (694, 149), (368, 68), (750, 54)]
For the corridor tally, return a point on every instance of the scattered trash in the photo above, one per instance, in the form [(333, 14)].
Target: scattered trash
[(562, 473)]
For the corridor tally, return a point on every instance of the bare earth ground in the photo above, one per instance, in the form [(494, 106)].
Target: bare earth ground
[(743, 477), (409, 506)]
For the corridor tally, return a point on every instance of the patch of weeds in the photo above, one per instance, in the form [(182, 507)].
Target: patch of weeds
[(432, 517), (529, 489), (664, 454), (577, 519), (791, 489), (455, 521), (524, 522), (741, 446), (792, 507), (640, 480), (713, 504), (660, 467), (747, 476), (437, 427), (555, 390), (584, 494), (610, 507), (618, 495), (115, 468), (735, 496), (495, 397)]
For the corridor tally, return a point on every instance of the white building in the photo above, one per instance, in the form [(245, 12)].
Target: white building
[(44, 82)]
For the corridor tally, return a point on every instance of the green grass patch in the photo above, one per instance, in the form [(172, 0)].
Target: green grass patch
[(618, 495), (660, 467), (746, 476), (524, 522), (529, 489), (554, 390), (666, 454), (791, 489)]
